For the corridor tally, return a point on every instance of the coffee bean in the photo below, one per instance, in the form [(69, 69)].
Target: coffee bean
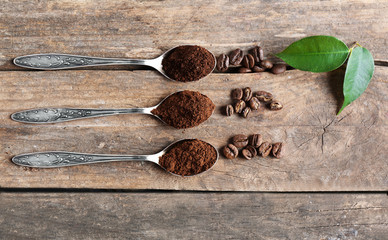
[(256, 140), (229, 110), (222, 63), (263, 96), (254, 103), (236, 56), (244, 70), (266, 64), (255, 53), (265, 149), (275, 105), (248, 61), (240, 140), (258, 69), (247, 94), (251, 60), (230, 151), (277, 149), (237, 94), (258, 54), (278, 68), (249, 152), (239, 106), (246, 112)]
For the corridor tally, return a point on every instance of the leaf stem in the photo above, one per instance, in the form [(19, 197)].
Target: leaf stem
[(355, 44)]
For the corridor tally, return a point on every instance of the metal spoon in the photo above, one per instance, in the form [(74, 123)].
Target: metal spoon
[(64, 159), (56, 115), (56, 61)]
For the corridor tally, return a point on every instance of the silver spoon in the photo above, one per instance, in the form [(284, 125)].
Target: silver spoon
[(56, 61), (64, 159), (56, 115)]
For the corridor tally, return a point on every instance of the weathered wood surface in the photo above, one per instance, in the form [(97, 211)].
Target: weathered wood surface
[(325, 152), (145, 29), (192, 216)]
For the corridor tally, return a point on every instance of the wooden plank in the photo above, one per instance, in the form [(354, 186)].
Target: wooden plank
[(325, 152), (193, 216), (144, 29)]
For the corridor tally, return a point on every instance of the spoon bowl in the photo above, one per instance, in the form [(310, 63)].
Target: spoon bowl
[(58, 61), (56, 159)]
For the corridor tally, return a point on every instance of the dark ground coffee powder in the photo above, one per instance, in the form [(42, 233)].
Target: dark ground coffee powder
[(189, 157), (188, 63), (185, 109)]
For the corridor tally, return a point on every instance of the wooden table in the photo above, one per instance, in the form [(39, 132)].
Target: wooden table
[(331, 184)]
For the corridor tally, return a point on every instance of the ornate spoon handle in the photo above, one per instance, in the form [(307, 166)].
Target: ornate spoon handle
[(64, 159), (54, 61), (55, 115)]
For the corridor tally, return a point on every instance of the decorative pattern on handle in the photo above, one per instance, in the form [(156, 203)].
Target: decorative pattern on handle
[(46, 115), (52, 159), (53, 61)]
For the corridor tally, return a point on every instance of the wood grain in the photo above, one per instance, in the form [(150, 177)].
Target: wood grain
[(325, 152), (192, 216), (144, 29)]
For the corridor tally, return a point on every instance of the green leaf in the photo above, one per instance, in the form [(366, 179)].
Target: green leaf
[(359, 71), (316, 54)]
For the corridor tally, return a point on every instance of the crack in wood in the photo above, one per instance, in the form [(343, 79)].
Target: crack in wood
[(324, 131), (345, 225), (327, 210), (344, 117)]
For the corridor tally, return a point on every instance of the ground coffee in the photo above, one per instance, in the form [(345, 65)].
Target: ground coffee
[(185, 109), (189, 157), (188, 63)]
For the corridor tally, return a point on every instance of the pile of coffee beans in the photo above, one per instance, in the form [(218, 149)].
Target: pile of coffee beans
[(254, 61), (246, 101), (252, 146)]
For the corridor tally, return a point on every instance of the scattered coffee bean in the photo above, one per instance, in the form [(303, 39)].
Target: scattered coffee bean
[(230, 151), (265, 149), (237, 94), (277, 149), (278, 68), (252, 146), (236, 56), (229, 110), (266, 64), (253, 61), (239, 106), (263, 96), (246, 112), (222, 63), (258, 69), (244, 70), (248, 61), (275, 105), (240, 141), (256, 140), (249, 152), (258, 54), (251, 103), (254, 103), (247, 94)]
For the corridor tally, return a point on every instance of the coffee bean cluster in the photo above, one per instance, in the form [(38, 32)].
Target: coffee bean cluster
[(254, 61), (246, 101), (252, 146)]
